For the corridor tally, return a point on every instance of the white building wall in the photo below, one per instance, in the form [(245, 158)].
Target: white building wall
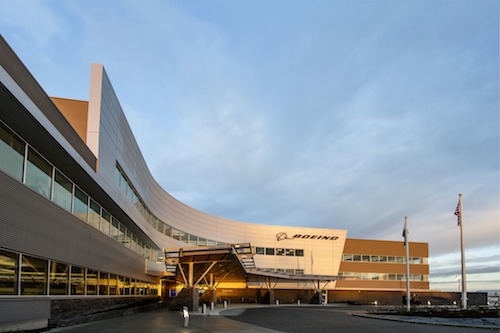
[(117, 143)]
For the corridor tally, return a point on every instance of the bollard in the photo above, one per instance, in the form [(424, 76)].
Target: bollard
[(185, 314), (429, 304), (225, 304), (212, 306), (277, 302), (298, 302), (204, 308), (376, 303)]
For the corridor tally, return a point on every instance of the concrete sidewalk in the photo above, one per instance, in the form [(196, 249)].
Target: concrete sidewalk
[(166, 321)]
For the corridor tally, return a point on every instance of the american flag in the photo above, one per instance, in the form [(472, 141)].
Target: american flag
[(457, 213)]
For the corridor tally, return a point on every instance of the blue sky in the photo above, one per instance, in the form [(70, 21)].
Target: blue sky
[(336, 114)]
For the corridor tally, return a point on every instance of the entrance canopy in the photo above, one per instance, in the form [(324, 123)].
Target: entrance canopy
[(211, 265)]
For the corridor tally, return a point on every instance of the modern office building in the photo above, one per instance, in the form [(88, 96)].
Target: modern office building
[(82, 218)]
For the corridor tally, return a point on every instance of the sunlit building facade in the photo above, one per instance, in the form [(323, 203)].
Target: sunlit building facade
[(82, 217)]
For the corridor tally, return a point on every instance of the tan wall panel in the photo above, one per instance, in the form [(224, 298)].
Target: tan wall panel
[(377, 247), (75, 112)]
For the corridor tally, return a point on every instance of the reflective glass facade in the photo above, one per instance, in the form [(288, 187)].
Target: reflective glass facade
[(28, 275)]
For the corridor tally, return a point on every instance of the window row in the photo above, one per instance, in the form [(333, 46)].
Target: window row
[(384, 276), (20, 161), (130, 192), (384, 259), (296, 271), (271, 251), (26, 275)]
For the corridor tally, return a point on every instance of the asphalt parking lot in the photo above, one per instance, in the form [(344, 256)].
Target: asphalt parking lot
[(265, 319), (324, 319)]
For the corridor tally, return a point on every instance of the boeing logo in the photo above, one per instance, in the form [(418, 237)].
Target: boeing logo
[(282, 236)]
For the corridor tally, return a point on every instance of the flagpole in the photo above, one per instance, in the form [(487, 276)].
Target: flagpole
[(464, 290), (407, 245)]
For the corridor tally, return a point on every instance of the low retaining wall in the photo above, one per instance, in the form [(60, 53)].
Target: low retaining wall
[(399, 297), (24, 313), (33, 313)]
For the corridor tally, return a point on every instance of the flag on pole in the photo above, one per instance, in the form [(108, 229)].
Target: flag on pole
[(458, 214), (404, 234)]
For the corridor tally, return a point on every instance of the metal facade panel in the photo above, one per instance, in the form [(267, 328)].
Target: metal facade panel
[(36, 226)]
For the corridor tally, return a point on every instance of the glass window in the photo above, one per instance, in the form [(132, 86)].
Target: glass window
[(299, 252), (132, 286), (123, 183), (374, 258), (160, 226), (383, 259), (400, 260), (92, 282), (168, 230), (357, 257), (77, 280), (135, 242), (365, 258), (11, 154), (80, 204), (184, 237), (128, 238), (63, 191), (289, 252), (347, 257), (176, 234), (193, 240), (151, 219), (202, 241), (58, 278), (105, 222), (94, 214), (117, 176), (8, 273), (113, 284), (121, 234), (103, 283), (124, 286), (130, 193), (391, 259), (269, 251), (38, 174), (114, 229), (259, 250), (280, 252), (33, 276), (299, 271)]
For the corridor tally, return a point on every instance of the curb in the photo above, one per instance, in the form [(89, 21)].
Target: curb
[(421, 320)]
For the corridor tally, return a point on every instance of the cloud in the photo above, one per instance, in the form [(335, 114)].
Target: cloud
[(33, 21)]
